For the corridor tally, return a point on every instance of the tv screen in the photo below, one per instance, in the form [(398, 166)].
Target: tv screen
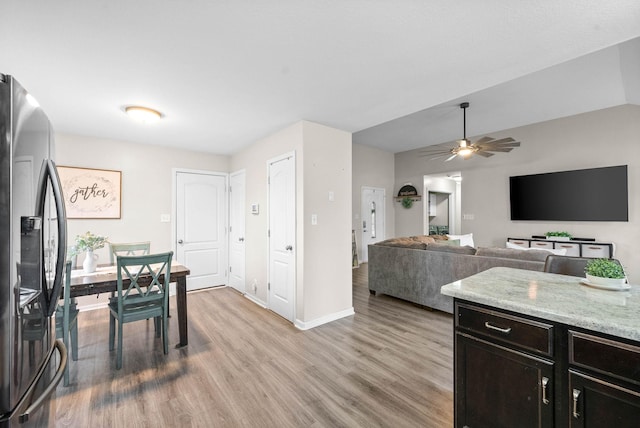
[(597, 194)]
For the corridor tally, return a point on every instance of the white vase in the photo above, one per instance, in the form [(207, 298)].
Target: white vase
[(90, 262)]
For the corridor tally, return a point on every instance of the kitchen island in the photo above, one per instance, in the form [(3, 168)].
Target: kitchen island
[(542, 350)]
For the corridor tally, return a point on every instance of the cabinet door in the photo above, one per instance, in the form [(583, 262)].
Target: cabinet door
[(596, 403), (499, 387)]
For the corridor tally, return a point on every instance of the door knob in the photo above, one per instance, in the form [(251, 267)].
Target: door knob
[(241, 239), (288, 248), (180, 241)]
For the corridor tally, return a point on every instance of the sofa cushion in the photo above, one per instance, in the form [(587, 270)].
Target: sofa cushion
[(404, 243), (448, 248), (509, 253)]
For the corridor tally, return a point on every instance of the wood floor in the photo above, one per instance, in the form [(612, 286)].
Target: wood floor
[(390, 365)]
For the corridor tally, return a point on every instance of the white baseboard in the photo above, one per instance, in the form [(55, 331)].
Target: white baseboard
[(306, 325), (255, 300)]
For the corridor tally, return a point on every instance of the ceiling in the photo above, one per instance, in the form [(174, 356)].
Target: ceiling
[(227, 73)]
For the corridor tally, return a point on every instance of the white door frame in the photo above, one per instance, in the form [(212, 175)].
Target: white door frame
[(283, 156), (174, 210)]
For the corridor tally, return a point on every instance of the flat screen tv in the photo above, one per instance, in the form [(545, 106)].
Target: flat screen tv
[(596, 194)]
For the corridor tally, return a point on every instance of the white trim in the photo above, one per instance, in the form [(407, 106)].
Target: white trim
[(306, 325), (255, 300)]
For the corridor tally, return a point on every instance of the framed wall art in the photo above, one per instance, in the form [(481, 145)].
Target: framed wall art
[(91, 193)]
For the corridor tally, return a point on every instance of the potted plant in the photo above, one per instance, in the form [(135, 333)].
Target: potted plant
[(88, 243), (558, 236), (605, 272)]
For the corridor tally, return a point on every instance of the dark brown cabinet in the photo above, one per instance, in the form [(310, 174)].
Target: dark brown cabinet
[(512, 370), (500, 387)]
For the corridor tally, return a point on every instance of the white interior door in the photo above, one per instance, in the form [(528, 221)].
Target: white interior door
[(201, 218), (372, 215), (282, 228), (237, 230)]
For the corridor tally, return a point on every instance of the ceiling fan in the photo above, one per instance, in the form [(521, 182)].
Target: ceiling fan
[(465, 148)]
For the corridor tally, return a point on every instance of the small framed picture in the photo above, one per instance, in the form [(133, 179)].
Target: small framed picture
[(91, 193)]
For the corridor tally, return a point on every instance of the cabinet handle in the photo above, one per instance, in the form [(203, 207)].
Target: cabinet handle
[(595, 248), (566, 246), (545, 381), (576, 395), (500, 329)]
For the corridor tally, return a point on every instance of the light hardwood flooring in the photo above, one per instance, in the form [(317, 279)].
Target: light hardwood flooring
[(389, 365)]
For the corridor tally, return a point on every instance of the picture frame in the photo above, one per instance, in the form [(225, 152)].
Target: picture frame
[(91, 193)]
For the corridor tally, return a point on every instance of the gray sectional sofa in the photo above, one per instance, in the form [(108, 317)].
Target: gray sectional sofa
[(409, 269)]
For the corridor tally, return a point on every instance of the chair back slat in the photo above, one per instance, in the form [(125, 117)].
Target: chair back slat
[(128, 249), (148, 277)]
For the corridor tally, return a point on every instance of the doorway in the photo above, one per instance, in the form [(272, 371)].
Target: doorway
[(442, 204), (201, 219), (373, 218), (282, 235)]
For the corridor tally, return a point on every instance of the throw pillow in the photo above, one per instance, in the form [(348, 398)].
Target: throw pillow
[(464, 239), (424, 239), (557, 252)]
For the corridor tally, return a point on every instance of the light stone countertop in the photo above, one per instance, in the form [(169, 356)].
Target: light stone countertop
[(553, 297)]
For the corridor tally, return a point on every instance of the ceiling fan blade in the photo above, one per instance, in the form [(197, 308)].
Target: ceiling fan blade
[(450, 157), (499, 149), (483, 154), (484, 140), (500, 146), (502, 140)]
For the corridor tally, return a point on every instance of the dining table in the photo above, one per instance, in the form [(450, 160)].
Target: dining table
[(105, 280)]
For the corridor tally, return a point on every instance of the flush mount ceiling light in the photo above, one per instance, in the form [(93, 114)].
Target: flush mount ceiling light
[(464, 148), (143, 114)]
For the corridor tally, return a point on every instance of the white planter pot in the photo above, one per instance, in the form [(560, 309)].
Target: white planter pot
[(606, 282), (558, 238)]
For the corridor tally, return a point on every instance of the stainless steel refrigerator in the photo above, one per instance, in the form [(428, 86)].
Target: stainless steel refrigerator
[(32, 253)]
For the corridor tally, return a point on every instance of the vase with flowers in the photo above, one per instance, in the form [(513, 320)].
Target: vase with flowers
[(88, 243)]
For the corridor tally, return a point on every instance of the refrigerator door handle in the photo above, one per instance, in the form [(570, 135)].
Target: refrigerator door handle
[(35, 404), (51, 175)]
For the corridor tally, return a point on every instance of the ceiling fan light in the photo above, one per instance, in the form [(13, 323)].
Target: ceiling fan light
[(465, 151), (143, 114), (463, 143)]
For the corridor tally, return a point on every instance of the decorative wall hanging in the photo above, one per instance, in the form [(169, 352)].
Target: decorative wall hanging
[(91, 193), (407, 195)]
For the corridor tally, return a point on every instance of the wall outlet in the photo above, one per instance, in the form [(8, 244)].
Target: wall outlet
[(165, 218), (254, 286), (468, 216)]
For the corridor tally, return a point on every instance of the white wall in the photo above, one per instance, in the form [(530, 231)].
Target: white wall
[(146, 185), (596, 139), (372, 168), (323, 252)]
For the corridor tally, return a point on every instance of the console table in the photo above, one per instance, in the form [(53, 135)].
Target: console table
[(575, 248)]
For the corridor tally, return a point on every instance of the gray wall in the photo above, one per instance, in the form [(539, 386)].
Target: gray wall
[(595, 139)]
